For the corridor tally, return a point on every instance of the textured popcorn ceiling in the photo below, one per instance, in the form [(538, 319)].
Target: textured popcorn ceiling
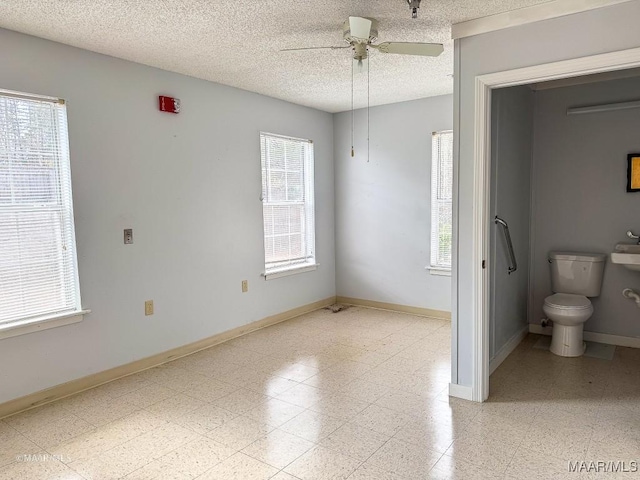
[(237, 43)]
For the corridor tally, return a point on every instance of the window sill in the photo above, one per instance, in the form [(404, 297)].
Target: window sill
[(22, 327), (443, 272), (285, 272)]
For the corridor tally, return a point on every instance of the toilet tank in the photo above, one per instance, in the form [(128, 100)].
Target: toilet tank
[(577, 273)]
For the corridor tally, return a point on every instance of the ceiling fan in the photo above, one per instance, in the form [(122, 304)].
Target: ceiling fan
[(360, 33)]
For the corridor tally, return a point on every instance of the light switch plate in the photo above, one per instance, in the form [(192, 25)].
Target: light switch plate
[(128, 236)]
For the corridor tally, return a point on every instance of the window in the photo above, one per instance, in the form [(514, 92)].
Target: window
[(287, 204), (38, 271), (441, 201)]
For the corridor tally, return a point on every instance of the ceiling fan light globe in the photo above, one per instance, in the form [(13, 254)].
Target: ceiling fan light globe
[(360, 30)]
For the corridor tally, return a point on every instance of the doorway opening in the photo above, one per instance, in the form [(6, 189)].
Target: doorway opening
[(484, 216)]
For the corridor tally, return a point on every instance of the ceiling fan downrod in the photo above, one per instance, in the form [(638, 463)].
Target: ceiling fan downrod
[(414, 5)]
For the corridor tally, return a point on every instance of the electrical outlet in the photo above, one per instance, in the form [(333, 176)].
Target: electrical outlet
[(128, 236), (245, 286), (148, 307)]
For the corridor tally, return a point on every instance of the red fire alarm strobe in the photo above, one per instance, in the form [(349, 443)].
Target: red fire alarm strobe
[(169, 104)]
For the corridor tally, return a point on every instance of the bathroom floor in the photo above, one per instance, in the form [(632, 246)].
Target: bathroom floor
[(360, 394), (558, 410)]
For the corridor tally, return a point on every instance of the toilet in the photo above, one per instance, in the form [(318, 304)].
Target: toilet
[(574, 277)]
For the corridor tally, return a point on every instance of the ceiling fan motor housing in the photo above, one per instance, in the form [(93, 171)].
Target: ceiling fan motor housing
[(351, 40)]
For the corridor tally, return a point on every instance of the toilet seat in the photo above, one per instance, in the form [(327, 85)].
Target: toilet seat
[(567, 301)]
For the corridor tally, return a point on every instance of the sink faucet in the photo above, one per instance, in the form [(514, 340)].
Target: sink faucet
[(631, 235)]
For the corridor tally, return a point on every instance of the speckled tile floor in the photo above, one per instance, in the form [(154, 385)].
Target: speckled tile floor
[(360, 394)]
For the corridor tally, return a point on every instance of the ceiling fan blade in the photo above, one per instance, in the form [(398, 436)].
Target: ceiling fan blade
[(411, 48), (360, 27), (313, 48)]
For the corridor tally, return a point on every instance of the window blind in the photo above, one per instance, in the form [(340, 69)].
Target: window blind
[(441, 199), (287, 201), (38, 270)]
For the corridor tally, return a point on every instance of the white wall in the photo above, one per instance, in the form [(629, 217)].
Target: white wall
[(383, 211), (581, 202), (187, 184), (597, 31), (511, 156)]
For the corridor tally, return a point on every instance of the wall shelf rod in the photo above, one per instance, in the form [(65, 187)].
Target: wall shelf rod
[(607, 107)]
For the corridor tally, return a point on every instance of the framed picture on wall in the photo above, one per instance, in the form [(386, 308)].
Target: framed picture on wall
[(633, 172)]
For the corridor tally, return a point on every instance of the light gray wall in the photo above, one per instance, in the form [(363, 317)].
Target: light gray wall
[(383, 211), (581, 202), (597, 31), (187, 184), (511, 155)]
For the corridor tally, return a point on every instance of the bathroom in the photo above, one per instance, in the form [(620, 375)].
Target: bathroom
[(559, 182)]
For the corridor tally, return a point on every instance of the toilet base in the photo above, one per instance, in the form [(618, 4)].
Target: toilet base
[(566, 341)]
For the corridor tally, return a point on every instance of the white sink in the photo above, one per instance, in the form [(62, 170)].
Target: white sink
[(628, 255)]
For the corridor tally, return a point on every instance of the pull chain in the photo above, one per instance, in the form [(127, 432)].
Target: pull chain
[(368, 105), (352, 121)]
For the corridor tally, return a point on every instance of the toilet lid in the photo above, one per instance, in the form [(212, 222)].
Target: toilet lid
[(566, 300)]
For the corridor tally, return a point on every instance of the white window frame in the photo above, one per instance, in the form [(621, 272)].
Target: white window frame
[(436, 265), (308, 262), (74, 314)]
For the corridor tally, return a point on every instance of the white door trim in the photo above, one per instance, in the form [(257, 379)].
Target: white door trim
[(606, 62), (460, 391)]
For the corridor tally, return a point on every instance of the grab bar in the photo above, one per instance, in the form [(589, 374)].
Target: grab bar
[(507, 238)]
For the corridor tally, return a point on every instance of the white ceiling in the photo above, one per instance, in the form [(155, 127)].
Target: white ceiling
[(238, 43)]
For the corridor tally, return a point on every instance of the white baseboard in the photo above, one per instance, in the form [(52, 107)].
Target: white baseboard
[(57, 392), (508, 347), (394, 307), (632, 342), (460, 391)]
